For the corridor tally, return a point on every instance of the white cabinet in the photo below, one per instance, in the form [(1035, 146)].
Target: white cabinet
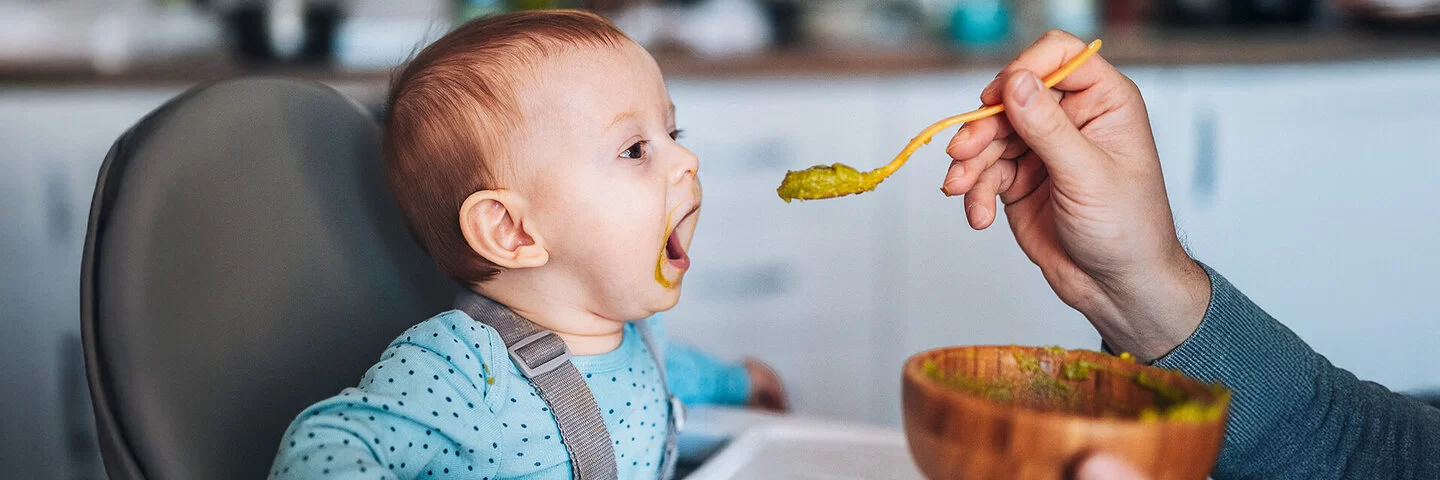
[(51, 145), (794, 283), (1317, 197)]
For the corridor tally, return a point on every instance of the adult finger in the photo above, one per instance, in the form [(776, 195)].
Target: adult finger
[(1047, 55), (975, 136), (1030, 173), (1046, 128), (963, 172), (980, 200), (1107, 467)]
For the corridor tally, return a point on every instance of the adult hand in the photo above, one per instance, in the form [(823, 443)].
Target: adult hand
[(1079, 175), (1106, 467)]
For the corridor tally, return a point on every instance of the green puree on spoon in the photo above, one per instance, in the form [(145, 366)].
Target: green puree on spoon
[(838, 180)]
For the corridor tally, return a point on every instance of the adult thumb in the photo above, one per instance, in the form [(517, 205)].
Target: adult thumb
[(1045, 127), (1106, 467)]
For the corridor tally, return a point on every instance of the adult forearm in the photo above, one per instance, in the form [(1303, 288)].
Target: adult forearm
[(1293, 414)]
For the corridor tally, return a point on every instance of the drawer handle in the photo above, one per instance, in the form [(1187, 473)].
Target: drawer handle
[(1205, 162)]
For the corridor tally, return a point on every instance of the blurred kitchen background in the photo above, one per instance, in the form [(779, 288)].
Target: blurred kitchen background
[(1299, 140)]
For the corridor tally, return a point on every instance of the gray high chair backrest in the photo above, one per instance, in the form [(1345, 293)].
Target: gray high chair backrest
[(243, 261)]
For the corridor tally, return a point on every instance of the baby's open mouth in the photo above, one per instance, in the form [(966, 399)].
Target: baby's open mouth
[(675, 253)]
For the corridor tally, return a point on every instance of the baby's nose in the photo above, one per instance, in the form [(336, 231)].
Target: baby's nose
[(687, 167)]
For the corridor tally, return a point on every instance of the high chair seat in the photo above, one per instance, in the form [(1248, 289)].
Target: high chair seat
[(243, 260)]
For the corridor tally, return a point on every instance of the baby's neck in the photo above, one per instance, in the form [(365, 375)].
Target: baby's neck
[(583, 331)]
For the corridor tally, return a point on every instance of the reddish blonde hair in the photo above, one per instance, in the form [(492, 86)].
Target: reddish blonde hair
[(450, 110)]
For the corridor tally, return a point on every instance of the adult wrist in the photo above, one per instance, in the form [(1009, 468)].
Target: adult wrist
[(1150, 315)]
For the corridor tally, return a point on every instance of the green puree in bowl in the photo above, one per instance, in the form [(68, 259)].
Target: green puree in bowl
[(1059, 391)]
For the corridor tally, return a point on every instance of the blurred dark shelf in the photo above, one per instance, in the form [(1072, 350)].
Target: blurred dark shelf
[(1132, 48), (183, 72)]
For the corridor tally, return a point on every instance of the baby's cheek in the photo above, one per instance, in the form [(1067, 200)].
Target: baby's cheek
[(621, 246), (623, 225)]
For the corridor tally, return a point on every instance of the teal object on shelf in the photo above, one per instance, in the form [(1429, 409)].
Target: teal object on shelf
[(470, 9), (978, 23)]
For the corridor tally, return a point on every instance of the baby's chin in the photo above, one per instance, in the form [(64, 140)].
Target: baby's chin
[(642, 301), (660, 299), (667, 298)]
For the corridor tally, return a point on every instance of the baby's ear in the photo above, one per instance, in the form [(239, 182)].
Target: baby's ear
[(494, 224)]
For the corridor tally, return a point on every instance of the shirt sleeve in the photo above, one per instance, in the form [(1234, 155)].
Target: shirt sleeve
[(422, 410), (698, 378), (1292, 413)]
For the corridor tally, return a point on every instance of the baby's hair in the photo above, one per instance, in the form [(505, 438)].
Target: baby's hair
[(450, 111)]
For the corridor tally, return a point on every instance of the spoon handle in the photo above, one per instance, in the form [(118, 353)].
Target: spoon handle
[(984, 112)]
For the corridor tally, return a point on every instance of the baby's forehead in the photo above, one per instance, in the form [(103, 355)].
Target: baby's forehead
[(594, 84)]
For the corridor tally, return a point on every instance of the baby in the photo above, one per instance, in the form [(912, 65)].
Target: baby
[(534, 156)]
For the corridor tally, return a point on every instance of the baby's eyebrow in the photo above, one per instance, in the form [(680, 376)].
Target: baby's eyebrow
[(620, 118)]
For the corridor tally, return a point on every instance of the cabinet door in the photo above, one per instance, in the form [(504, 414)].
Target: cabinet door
[(792, 284), (1323, 206), (51, 147)]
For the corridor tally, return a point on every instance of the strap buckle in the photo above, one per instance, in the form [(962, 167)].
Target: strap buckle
[(677, 412), (542, 366)]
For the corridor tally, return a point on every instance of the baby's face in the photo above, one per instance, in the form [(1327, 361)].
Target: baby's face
[(616, 197)]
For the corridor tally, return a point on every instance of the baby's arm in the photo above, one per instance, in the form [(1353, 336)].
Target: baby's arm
[(421, 410), (697, 377)]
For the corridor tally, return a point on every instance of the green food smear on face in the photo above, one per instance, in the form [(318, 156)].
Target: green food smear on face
[(1057, 391), (820, 181)]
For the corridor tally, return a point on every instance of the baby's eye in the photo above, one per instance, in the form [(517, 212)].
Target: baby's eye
[(635, 151), (676, 134)]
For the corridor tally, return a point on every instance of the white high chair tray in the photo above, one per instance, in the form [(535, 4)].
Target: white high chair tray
[(791, 448)]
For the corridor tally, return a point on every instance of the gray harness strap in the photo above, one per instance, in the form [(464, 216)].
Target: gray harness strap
[(545, 360), (677, 409)]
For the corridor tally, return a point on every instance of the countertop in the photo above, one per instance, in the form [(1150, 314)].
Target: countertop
[(1127, 48)]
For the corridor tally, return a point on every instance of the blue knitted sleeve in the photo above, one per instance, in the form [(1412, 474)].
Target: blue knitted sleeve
[(1293, 414)]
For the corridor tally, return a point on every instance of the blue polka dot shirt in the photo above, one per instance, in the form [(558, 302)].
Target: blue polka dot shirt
[(445, 401)]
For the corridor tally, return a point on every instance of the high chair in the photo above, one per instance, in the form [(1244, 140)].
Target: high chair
[(243, 260)]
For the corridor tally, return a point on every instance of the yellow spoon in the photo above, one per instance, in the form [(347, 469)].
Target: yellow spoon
[(838, 180)]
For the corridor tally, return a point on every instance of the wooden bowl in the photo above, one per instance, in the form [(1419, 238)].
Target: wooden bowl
[(992, 412)]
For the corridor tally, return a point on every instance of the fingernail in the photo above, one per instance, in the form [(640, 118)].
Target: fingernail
[(1026, 88), (956, 173), (960, 138), (989, 89), (977, 214)]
